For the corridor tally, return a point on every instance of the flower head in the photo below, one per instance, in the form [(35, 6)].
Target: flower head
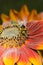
[(20, 35)]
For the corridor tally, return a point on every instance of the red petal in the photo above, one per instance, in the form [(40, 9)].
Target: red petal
[(23, 58), (1, 62), (33, 57), (35, 30), (11, 56), (2, 49)]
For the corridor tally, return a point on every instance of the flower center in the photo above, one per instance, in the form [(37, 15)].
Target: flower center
[(10, 32), (14, 35)]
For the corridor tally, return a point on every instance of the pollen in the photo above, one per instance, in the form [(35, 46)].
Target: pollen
[(13, 35)]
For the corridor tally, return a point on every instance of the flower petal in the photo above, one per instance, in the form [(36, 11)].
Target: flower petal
[(33, 16), (5, 18), (13, 15), (1, 62), (24, 13), (40, 46), (23, 60), (2, 49), (28, 63), (0, 26), (41, 15), (35, 30), (33, 57), (11, 56)]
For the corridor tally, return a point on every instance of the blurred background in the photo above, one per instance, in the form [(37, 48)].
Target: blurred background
[(6, 5)]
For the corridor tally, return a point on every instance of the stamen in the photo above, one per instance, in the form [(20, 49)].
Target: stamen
[(14, 36)]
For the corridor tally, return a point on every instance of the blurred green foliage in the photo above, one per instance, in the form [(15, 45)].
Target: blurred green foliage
[(6, 5)]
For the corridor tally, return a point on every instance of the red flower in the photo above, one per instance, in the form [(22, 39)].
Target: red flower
[(20, 35)]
